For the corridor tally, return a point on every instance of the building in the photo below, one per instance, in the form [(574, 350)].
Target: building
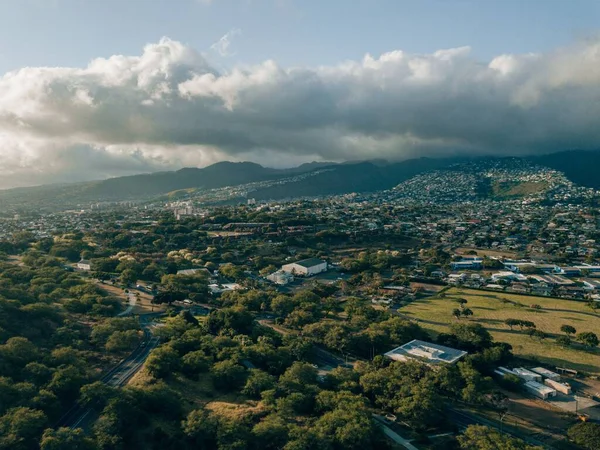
[(563, 388), (539, 390), (306, 267), (526, 374), (430, 354), (220, 288), (467, 263), (280, 277), (546, 373), (84, 264), (508, 276), (193, 271)]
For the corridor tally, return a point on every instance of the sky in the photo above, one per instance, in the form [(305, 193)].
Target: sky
[(91, 89)]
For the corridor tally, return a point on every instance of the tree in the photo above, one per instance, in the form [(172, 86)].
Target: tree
[(347, 428), (200, 427), (563, 341), (66, 439), (588, 339), (21, 429), (585, 434), (512, 323), (271, 432), (96, 395), (456, 313), (257, 382), (568, 329), (228, 375), (195, 363), (282, 305), (467, 312), (471, 335), (162, 362), (122, 341), (129, 277), (539, 334), (479, 437)]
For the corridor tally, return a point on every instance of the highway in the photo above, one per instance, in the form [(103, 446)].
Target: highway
[(79, 415)]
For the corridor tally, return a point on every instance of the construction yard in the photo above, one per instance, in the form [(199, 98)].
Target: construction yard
[(491, 309)]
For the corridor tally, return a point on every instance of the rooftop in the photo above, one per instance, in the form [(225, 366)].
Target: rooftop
[(427, 352), (310, 262)]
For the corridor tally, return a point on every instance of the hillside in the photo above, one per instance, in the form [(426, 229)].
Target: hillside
[(322, 178), (357, 177), (579, 166)]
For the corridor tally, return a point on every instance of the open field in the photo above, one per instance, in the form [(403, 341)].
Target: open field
[(435, 314), (486, 252), (143, 305)]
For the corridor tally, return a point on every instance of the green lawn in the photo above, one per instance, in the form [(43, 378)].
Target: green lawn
[(435, 314)]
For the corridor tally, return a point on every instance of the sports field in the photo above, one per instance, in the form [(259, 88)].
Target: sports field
[(491, 309)]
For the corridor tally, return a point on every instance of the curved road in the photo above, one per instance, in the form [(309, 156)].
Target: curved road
[(79, 415)]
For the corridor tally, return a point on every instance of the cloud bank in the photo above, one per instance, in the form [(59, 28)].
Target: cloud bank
[(170, 108)]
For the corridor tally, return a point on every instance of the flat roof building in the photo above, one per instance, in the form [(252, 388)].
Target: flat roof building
[(526, 374), (427, 352), (564, 388), (540, 390), (546, 373)]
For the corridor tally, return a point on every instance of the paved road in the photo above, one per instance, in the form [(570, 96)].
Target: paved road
[(463, 420), (132, 301), (392, 434), (79, 415)]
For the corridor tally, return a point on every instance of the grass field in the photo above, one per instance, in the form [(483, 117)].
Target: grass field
[(435, 314), (486, 252)]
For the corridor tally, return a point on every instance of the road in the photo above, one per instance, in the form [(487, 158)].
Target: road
[(463, 420), (132, 300), (79, 415), (392, 434)]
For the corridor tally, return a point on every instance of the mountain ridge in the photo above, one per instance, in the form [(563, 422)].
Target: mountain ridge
[(326, 178)]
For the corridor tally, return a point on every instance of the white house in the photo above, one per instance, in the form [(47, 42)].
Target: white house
[(306, 267), (84, 264), (220, 288)]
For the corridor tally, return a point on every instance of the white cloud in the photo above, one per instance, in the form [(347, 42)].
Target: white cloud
[(169, 108), (222, 46)]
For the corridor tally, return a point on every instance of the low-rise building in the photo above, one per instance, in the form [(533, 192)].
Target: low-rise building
[(220, 288), (426, 352), (539, 390), (306, 267), (546, 373), (84, 264), (563, 388), (526, 374), (281, 277)]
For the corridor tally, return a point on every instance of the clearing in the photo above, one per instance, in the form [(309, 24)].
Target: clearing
[(486, 252), (491, 309)]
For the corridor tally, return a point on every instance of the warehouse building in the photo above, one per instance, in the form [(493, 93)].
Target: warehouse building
[(564, 388), (540, 390), (546, 373), (306, 267), (527, 375)]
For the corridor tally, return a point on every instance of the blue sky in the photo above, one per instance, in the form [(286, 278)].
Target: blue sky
[(292, 32), (91, 89)]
